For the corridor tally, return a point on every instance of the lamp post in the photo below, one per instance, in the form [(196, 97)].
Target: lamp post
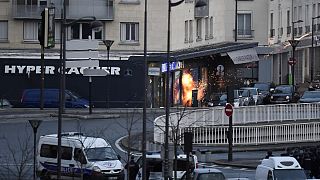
[(312, 62), (34, 124), (199, 3), (294, 43), (108, 44), (96, 26)]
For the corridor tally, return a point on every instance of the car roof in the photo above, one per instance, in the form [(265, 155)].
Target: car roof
[(207, 170), (87, 141)]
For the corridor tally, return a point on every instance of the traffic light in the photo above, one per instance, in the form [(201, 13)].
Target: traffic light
[(46, 31)]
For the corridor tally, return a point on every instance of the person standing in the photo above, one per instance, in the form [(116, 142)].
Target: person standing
[(132, 169)]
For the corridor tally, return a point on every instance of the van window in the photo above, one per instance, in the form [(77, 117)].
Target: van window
[(31, 96), (79, 156), (101, 154), (66, 153), (48, 151), (51, 151)]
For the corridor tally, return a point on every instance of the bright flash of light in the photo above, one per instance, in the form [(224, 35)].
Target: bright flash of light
[(187, 86)]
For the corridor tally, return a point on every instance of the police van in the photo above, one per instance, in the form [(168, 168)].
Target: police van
[(280, 168), (81, 156)]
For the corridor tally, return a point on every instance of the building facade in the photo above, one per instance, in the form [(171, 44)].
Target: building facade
[(296, 20), (200, 37)]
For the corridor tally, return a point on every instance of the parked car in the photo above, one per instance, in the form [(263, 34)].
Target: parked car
[(4, 103), (214, 100), (205, 174), (265, 89), (223, 100), (310, 97), (31, 98), (284, 94), (155, 162), (255, 93), (280, 168), (243, 97)]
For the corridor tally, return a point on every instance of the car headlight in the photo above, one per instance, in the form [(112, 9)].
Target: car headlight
[(271, 97), (96, 169), (287, 97), (86, 106), (246, 99)]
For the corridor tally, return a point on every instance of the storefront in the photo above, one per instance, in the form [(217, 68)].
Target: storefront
[(197, 75)]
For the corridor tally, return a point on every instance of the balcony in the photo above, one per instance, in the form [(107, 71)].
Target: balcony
[(307, 29), (272, 33), (245, 33), (288, 30), (75, 9), (300, 30)]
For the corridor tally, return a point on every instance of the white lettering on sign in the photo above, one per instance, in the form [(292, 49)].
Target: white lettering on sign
[(13, 69)]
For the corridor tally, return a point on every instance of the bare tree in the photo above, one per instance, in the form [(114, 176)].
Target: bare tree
[(15, 163)]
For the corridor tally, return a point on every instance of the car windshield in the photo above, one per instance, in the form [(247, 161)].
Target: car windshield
[(289, 174), (101, 154), (210, 176), (223, 97), (311, 94), (262, 87), (73, 94), (283, 89)]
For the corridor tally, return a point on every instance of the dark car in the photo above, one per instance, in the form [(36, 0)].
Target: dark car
[(265, 89), (310, 97), (214, 100), (4, 103), (284, 94)]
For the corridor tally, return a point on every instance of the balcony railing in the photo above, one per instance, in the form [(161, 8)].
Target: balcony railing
[(300, 30), (245, 33), (288, 30), (307, 29), (272, 33), (101, 9)]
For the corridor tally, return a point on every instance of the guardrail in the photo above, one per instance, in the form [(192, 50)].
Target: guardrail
[(208, 125)]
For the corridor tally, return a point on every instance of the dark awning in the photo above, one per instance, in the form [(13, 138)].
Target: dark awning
[(207, 50)]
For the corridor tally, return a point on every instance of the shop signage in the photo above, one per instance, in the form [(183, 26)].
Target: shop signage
[(23, 69), (173, 66), (153, 71)]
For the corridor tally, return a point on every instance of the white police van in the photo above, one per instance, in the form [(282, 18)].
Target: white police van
[(81, 156), (280, 168)]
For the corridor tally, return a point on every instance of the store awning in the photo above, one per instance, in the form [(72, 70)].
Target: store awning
[(243, 56)]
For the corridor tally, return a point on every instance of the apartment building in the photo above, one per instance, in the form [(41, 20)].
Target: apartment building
[(297, 20), (202, 41)]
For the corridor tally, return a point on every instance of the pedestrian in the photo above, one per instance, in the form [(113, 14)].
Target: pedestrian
[(132, 169), (269, 154)]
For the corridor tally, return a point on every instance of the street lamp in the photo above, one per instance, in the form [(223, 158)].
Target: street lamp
[(312, 48), (34, 124), (294, 43), (108, 44), (199, 3), (96, 26)]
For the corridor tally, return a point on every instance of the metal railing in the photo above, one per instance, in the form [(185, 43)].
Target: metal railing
[(209, 125)]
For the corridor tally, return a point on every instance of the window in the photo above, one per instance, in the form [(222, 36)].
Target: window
[(206, 22), (30, 30), (190, 31), (129, 32), (244, 24), (48, 151), (3, 30), (211, 27), (79, 156), (186, 33), (66, 153), (272, 33), (83, 31), (199, 29)]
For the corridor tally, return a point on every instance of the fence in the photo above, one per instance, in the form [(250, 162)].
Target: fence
[(209, 125)]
